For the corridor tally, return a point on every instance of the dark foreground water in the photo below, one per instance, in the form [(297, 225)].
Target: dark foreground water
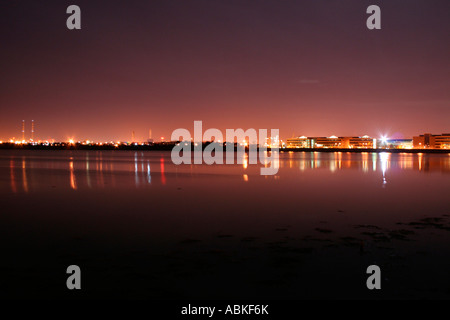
[(141, 227)]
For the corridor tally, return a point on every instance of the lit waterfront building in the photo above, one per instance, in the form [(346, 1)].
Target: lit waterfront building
[(299, 142), (432, 141), (364, 142), (327, 142), (333, 142), (442, 141), (397, 144)]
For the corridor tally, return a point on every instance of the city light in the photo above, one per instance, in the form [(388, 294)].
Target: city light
[(419, 142)]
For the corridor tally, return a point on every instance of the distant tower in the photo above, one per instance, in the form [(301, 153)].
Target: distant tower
[(32, 130), (150, 140), (133, 137), (23, 130)]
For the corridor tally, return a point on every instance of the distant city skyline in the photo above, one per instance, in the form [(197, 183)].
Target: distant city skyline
[(304, 67), (365, 141), (28, 134)]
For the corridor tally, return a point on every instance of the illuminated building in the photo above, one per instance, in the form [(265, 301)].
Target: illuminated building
[(442, 141), (364, 142), (299, 142), (432, 141), (399, 143), (324, 142)]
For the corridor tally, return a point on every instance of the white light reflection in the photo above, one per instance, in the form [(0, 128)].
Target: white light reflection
[(384, 160), (149, 178), (88, 177), (374, 161), (136, 176)]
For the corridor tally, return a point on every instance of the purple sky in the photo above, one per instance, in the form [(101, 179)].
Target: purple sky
[(304, 67)]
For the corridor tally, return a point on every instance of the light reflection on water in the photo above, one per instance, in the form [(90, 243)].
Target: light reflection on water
[(29, 171)]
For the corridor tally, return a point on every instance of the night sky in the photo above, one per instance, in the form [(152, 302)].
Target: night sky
[(305, 67)]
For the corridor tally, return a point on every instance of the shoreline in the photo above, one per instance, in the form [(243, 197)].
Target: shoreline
[(169, 147), (440, 151)]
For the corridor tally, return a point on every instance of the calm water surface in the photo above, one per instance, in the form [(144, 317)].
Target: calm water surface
[(121, 208), (363, 182), (364, 187)]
